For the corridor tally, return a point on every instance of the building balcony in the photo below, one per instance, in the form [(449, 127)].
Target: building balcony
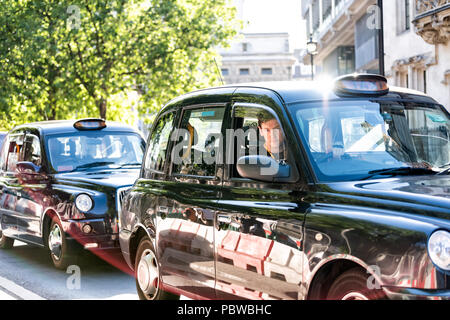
[(432, 21), (335, 25)]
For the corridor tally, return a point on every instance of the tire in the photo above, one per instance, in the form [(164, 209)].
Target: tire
[(353, 285), (57, 246), (5, 242), (148, 278)]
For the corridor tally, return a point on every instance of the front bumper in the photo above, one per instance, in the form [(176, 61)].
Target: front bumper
[(97, 239), (398, 293)]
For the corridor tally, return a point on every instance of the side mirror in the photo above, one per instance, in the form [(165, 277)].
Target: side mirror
[(29, 172), (264, 168), (26, 167)]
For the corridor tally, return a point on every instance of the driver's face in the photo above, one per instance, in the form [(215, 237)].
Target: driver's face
[(272, 134)]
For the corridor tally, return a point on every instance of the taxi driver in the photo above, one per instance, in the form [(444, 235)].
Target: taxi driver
[(270, 130)]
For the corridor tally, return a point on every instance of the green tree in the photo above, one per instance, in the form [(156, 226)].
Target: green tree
[(61, 59), (33, 78)]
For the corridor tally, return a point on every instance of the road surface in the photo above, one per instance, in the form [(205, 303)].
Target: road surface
[(26, 272)]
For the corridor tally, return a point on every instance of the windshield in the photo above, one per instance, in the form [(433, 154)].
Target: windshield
[(91, 149), (354, 140)]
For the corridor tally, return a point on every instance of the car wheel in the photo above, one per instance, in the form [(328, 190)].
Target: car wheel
[(353, 285), (5, 242), (57, 246), (147, 274)]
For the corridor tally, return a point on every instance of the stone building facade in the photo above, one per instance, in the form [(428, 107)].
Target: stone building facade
[(258, 57), (417, 46)]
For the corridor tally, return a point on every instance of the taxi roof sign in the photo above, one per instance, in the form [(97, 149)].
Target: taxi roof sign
[(362, 84), (90, 124)]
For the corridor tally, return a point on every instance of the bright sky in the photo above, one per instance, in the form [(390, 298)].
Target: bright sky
[(276, 16)]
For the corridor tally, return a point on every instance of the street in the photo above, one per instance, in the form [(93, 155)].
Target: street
[(26, 272)]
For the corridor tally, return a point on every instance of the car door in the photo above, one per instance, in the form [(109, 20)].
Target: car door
[(188, 202), (259, 227), (11, 188), (34, 191)]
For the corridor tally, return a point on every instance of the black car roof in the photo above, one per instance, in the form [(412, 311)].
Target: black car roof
[(67, 126), (302, 91)]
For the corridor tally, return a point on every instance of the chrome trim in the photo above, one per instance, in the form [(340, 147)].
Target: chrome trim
[(120, 194)]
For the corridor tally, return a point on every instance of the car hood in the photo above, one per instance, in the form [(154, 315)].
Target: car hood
[(425, 195), (114, 178)]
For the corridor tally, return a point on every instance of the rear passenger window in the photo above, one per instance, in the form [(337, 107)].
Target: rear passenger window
[(197, 144), (32, 150), (4, 153), (159, 142), (14, 152)]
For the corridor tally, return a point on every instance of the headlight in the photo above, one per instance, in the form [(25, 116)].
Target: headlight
[(439, 249), (83, 202)]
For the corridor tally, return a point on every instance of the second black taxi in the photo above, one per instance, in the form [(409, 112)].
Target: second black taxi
[(61, 185)]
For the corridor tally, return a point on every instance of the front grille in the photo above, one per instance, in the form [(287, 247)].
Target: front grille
[(121, 192)]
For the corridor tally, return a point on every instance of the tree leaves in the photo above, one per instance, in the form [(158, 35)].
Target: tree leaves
[(60, 60)]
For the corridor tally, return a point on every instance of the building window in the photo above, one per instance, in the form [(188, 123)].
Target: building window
[(315, 16), (308, 23), (245, 47), (407, 15), (346, 60), (244, 71), (403, 15), (326, 9), (266, 71), (225, 72), (425, 81), (401, 78)]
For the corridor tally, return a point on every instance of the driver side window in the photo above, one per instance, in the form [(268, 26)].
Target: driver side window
[(257, 131)]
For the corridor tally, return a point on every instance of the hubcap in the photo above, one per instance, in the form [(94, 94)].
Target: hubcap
[(354, 296), (55, 242), (148, 273)]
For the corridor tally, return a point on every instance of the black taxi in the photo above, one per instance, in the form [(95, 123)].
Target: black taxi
[(61, 185), (295, 190)]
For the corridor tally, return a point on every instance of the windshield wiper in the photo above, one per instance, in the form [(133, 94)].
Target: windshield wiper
[(445, 171), (399, 171), (129, 164), (92, 165)]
